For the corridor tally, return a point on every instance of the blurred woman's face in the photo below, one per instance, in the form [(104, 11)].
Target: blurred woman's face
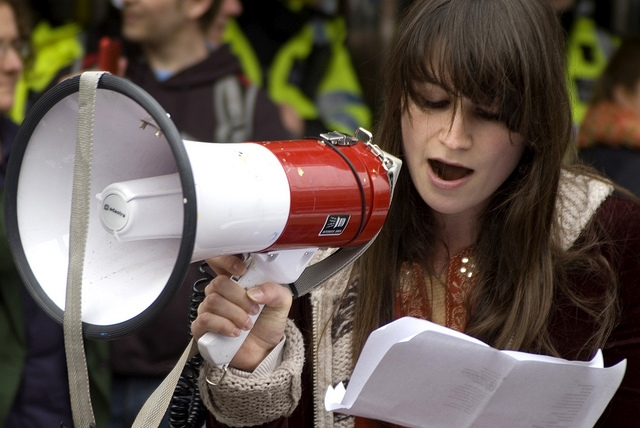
[(457, 155), (10, 60)]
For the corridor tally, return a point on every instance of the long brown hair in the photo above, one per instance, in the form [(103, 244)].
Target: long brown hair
[(508, 53)]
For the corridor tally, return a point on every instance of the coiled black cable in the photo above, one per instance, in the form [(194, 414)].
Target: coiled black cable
[(186, 409)]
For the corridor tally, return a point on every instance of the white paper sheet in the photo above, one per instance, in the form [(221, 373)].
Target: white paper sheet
[(416, 373)]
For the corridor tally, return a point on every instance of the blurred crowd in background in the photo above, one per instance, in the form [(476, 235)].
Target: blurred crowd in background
[(319, 62)]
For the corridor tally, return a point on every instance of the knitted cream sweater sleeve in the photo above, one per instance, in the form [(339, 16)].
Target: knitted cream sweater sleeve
[(255, 400)]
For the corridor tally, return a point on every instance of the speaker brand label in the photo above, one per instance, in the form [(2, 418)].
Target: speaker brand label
[(114, 212), (107, 207), (335, 224)]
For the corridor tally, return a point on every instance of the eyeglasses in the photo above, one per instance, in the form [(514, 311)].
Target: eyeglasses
[(19, 46)]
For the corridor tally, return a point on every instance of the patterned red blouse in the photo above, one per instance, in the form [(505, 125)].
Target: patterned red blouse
[(435, 299)]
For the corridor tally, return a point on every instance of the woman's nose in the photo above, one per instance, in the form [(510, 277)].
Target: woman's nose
[(454, 133)]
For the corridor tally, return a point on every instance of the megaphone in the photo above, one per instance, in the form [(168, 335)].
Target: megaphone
[(161, 203)]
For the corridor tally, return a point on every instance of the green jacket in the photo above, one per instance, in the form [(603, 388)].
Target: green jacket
[(588, 51), (337, 100), (55, 49), (13, 348)]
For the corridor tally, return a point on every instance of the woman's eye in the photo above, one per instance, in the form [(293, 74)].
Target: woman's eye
[(488, 115), (425, 103)]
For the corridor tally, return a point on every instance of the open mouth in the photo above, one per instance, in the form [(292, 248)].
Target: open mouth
[(449, 172)]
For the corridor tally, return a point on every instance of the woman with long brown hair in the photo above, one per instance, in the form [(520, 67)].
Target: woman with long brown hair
[(494, 230)]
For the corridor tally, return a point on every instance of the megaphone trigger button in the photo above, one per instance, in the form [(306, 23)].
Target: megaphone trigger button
[(248, 260)]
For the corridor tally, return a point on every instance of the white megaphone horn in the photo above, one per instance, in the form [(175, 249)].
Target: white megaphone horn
[(160, 203)]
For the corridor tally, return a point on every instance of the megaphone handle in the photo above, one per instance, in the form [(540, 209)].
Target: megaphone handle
[(283, 267), (219, 349)]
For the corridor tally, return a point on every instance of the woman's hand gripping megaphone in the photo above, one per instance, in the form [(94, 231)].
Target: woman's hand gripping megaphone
[(244, 312)]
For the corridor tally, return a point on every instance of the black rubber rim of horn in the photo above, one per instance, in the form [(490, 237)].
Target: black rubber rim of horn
[(36, 113)]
